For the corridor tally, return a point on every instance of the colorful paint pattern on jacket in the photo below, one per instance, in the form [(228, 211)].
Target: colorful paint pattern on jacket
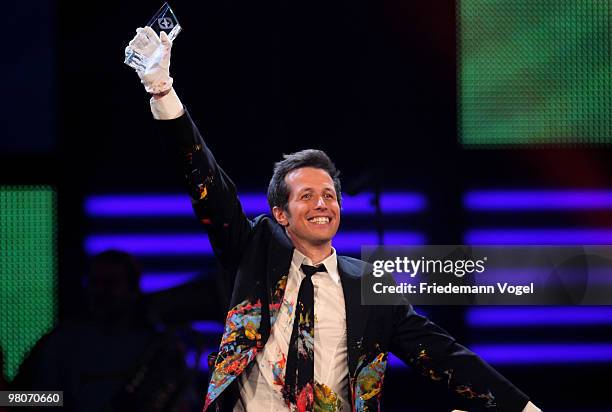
[(277, 298), (424, 362), (325, 399), (240, 343), (367, 386)]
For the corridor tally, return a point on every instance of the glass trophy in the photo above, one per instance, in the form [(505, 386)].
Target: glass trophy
[(163, 20)]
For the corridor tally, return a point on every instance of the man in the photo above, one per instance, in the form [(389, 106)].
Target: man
[(296, 336)]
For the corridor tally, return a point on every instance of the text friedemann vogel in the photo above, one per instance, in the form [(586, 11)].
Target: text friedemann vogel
[(450, 289)]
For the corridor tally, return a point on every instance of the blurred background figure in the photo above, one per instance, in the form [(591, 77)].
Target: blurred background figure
[(113, 357)]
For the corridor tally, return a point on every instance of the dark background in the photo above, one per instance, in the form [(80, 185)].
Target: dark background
[(373, 83)]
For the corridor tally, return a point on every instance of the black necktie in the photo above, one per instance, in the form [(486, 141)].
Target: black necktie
[(299, 372)]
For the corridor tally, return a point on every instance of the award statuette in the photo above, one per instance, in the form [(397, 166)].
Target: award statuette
[(163, 20)]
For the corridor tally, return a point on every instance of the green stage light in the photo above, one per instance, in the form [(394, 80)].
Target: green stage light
[(534, 72), (28, 267)]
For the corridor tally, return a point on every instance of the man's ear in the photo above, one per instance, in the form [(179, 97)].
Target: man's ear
[(280, 215)]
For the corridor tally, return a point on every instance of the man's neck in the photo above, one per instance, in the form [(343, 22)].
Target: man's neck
[(316, 253)]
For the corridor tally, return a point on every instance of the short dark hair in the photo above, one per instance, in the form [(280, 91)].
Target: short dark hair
[(278, 192)]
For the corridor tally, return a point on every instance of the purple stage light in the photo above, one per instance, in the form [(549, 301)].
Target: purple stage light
[(395, 362), (390, 203), (544, 353), (391, 238), (208, 327), (152, 244), (254, 204), (538, 237), (176, 205), (144, 205), (403, 202), (155, 282), (537, 317), (528, 200), (190, 360), (188, 244)]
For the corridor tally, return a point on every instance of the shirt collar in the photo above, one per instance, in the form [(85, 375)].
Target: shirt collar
[(330, 262)]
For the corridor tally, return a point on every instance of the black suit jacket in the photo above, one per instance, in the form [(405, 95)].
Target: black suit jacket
[(258, 254)]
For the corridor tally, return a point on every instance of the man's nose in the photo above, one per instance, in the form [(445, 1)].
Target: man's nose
[(321, 203)]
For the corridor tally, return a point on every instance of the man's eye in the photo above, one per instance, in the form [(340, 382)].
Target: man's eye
[(329, 196), (306, 196)]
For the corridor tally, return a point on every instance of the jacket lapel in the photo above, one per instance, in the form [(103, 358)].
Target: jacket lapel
[(356, 313), (280, 253)]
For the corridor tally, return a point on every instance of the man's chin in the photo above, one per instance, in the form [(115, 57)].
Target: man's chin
[(321, 240)]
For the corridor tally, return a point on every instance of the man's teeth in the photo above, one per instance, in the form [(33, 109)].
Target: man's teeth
[(319, 220)]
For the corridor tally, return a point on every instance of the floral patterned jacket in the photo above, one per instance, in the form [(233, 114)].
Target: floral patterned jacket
[(258, 254)]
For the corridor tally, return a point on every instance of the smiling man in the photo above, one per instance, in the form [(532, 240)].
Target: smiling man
[(296, 335)]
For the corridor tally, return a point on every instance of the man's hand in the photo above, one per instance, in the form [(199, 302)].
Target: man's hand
[(156, 49)]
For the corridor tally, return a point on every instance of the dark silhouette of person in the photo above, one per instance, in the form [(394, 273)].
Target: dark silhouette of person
[(113, 357)]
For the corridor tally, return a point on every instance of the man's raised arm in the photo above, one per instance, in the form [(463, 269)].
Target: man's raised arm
[(213, 194)]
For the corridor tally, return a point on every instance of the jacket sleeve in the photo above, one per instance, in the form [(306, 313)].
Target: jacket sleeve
[(435, 354), (213, 194)]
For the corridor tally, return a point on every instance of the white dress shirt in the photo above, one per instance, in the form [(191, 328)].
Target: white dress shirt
[(261, 385)]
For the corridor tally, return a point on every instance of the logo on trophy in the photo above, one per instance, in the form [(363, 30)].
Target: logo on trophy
[(165, 23), (163, 20)]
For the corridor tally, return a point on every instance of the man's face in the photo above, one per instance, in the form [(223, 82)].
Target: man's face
[(313, 213)]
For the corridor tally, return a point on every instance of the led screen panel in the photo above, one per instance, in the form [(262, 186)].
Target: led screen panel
[(28, 269), (534, 72)]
